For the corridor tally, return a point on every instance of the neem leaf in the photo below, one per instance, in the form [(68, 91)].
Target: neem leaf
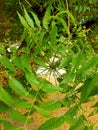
[(52, 123), (22, 62), (69, 78), (48, 87), (37, 21), (92, 61), (6, 63), (69, 119), (5, 97), (23, 105), (8, 126), (23, 21), (51, 105), (73, 111), (46, 16), (42, 111), (88, 87), (53, 33), (32, 79), (17, 61), (65, 61), (77, 60), (18, 88), (25, 61), (29, 20), (18, 117)]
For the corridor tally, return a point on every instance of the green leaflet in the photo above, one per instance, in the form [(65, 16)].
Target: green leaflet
[(23, 104), (28, 19), (90, 63), (18, 88), (52, 123), (17, 61), (77, 60), (73, 111), (37, 21), (32, 79), (6, 63), (48, 87), (88, 87), (18, 117), (69, 78), (42, 111), (65, 61), (53, 34), (69, 119), (51, 105), (23, 21), (8, 126), (23, 36), (25, 61), (46, 16), (5, 97)]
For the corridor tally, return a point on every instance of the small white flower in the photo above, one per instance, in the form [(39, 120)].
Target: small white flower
[(51, 69)]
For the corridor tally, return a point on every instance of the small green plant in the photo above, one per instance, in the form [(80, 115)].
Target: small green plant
[(48, 44)]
